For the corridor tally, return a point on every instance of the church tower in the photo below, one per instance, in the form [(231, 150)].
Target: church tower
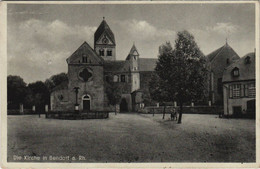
[(133, 58), (104, 42)]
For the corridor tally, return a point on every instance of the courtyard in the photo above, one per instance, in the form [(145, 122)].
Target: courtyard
[(132, 138)]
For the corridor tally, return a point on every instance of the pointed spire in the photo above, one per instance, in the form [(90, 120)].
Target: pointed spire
[(226, 41), (103, 27), (133, 50)]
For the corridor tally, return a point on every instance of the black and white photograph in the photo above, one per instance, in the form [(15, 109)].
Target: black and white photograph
[(131, 83)]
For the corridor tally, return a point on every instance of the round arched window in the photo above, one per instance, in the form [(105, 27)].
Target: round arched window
[(115, 79)]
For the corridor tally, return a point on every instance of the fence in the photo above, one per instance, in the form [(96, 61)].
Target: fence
[(22, 111), (186, 109)]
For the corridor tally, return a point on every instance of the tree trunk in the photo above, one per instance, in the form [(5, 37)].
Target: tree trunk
[(115, 109), (180, 114), (164, 111)]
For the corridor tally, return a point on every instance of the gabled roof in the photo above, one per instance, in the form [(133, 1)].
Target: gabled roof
[(147, 64), (246, 70), (132, 51), (117, 66), (87, 49), (222, 51), (103, 27)]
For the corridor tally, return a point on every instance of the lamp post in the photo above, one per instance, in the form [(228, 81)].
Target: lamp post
[(76, 104)]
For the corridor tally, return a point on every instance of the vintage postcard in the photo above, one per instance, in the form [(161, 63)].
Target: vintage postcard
[(132, 84)]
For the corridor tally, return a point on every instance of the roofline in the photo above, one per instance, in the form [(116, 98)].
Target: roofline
[(80, 64), (217, 53), (225, 82), (101, 59), (117, 72)]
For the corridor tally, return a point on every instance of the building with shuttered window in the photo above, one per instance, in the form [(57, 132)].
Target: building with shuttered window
[(239, 86)]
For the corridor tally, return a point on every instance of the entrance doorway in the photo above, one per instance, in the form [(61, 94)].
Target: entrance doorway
[(237, 111), (86, 100), (251, 106), (123, 105)]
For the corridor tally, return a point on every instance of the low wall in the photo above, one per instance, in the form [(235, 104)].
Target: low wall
[(77, 116), (17, 112), (186, 109)]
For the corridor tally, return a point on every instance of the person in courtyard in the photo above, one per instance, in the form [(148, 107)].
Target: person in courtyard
[(174, 114)]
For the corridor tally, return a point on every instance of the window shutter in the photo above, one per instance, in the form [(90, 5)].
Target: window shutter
[(242, 90), (230, 91), (246, 90)]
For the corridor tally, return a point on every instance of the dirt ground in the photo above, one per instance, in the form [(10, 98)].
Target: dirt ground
[(131, 138)]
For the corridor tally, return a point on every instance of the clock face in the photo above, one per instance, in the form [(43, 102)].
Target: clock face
[(105, 40)]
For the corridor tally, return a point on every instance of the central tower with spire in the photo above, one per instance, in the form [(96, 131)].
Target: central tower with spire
[(104, 42)]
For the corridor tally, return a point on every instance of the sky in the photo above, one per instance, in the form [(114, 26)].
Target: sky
[(41, 37)]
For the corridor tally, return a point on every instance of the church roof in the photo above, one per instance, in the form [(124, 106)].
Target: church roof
[(132, 51), (147, 64), (225, 50), (86, 49), (103, 27), (117, 66), (246, 70)]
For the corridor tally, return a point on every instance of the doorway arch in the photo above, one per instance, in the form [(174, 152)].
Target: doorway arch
[(123, 105), (86, 102)]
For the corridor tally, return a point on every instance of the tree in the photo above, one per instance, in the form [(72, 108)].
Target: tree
[(182, 72), (56, 80), (16, 91), (40, 94), (158, 91), (113, 92), (158, 87)]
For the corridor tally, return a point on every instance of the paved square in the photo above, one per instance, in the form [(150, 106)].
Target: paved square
[(133, 138)]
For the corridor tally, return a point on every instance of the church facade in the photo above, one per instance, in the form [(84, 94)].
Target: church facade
[(90, 69)]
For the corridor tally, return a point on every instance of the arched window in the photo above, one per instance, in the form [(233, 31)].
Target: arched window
[(101, 52), (84, 59), (122, 78), (235, 72), (115, 78), (247, 60), (228, 61), (109, 52)]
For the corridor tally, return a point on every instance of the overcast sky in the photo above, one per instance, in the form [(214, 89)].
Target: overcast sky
[(41, 37)]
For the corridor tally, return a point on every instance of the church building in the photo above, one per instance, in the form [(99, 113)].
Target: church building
[(218, 60), (89, 69)]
